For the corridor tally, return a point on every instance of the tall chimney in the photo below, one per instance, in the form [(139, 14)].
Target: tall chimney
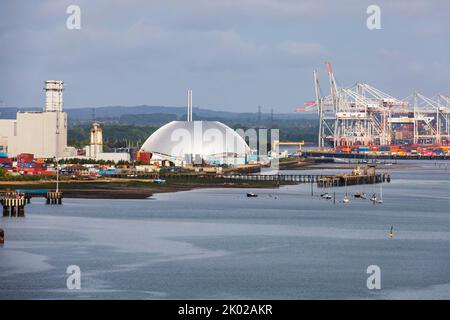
[(53, 95), (189, 105)]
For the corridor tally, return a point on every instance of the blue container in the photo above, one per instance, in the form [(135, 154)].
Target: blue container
[(3, 155), (6, 165)]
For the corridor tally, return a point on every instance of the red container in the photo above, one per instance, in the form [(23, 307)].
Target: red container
[(144, 157), (25, 157)]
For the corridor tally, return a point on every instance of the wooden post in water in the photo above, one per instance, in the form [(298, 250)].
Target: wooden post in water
[(13, 210), (21, 209), (54, 197)]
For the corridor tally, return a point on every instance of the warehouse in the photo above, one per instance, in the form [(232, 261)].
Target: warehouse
[(197, 142), (43, 134)]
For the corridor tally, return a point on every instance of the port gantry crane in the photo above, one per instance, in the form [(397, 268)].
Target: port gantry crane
[(364, 115), (431, 119)]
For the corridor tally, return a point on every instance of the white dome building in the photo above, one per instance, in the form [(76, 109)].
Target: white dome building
[(187, 142)]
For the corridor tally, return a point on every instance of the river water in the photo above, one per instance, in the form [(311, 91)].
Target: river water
[(219, 244)]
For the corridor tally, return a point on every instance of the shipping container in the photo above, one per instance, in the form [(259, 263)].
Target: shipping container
[(25, 157), (144, 157)]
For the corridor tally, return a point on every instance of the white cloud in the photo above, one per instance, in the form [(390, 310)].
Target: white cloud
[(241, 43)]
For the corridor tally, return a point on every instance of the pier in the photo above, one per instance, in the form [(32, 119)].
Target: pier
[(13, 204), (296, 178), (321, 180), (54, 197), (348, 180), (31, 193), (220, 178)]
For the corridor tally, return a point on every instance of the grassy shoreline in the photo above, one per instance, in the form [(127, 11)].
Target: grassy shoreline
[(129, 188)]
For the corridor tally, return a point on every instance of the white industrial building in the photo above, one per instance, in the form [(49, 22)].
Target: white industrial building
[(43, 134), (96, 145), (197, 142), (95, 149)]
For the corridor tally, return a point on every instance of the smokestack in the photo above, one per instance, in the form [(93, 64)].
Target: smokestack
[(189, 105), (53, 95)]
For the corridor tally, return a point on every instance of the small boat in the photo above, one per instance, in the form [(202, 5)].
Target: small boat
[(326, 196), (346, 199), (380, 200), (251, 195), (360, 195), (159, 181)]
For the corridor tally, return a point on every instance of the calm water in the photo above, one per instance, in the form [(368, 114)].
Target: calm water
[(220, 244)]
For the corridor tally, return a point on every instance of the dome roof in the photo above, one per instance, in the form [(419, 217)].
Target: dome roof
[(204, 138)]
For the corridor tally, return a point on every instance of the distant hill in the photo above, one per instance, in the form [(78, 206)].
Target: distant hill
[(115, 113)]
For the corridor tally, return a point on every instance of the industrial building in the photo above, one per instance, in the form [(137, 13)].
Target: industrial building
[(197, 142), (43, 134), (96, 141), (95, 149)]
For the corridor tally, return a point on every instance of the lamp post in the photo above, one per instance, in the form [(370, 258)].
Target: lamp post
[(57, 175)]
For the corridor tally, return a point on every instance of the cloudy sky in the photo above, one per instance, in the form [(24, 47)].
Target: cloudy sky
[(234, 54)]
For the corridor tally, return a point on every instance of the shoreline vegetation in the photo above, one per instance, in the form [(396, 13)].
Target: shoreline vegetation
[(141, 188), (120, 188)]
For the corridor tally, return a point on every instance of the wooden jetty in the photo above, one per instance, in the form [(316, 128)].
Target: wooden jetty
[(31, 193), (348, 180), (360, 175), (321, 180), (13, 204), (54, 197)]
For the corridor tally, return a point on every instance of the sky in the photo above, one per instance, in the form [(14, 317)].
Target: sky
[(233, 54)]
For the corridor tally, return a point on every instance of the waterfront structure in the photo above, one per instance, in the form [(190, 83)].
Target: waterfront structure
[(96, 145), (42, 133), (7, 129), (95, 149), (197, 142), (361, 115)]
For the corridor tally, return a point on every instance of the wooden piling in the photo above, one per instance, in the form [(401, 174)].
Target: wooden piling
[(54, 197), (13, 204)]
